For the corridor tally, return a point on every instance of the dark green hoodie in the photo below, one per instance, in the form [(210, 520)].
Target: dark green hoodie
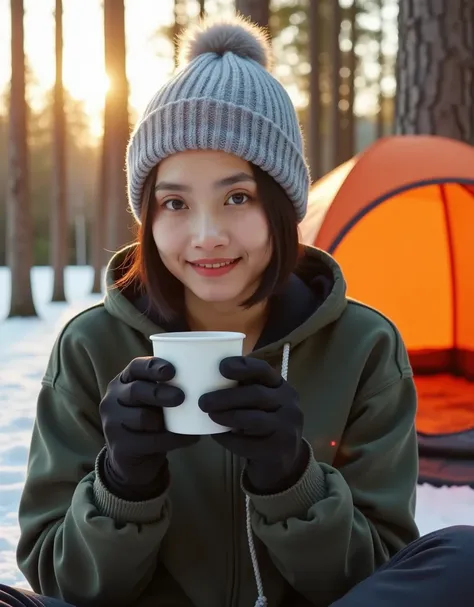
[(351, 510)]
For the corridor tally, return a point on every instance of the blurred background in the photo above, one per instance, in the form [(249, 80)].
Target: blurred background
[(75, 75)]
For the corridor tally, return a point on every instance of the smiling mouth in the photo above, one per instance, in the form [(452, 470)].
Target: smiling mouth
[(214, 268), (211, 266)]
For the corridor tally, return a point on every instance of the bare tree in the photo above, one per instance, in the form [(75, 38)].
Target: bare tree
[(180, 21), (119, 219), (347, 119), (435, 79), (335, 54), (19, 226), (314, 147), (257, 11), (381, 62), (202, 9), (98, 227), (352, 66), (59, 228)]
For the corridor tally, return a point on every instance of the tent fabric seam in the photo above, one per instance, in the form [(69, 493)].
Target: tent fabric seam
[(336, 241), (452, 265)]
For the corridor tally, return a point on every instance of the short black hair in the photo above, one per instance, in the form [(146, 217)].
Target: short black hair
[(146, 270)]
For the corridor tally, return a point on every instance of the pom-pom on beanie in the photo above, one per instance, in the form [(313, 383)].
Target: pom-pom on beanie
[(222, 98)]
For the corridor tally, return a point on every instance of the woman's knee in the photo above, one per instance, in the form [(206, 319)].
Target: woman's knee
[(453, 555), (13, 597), (460, 537), (17, 597)]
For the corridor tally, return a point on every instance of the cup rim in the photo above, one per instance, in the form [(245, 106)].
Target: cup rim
[(196, 336)]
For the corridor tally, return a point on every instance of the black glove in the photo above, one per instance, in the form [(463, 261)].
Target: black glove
[(135, 466), (266, 423)]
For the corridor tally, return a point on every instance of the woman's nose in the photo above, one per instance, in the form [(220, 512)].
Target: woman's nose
[(209, 233)]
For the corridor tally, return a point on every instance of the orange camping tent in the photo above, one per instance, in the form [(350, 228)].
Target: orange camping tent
[(399, 218)]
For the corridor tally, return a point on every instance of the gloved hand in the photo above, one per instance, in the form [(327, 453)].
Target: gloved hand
[(266, 422), (135, 466)]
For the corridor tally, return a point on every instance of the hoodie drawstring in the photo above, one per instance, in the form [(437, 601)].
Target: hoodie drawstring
[(262, 599)]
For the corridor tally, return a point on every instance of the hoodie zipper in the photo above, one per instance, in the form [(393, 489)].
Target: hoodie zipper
[(235, 545)]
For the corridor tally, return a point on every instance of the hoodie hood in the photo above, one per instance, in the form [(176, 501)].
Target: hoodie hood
[(314, 297)]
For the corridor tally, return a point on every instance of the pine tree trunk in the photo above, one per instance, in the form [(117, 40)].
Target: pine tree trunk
[(19, 226), (176, 30), (257, 11), (346, 112), (352, 65), (314, 143), (98, 227), (335, 53), (180, 22), (118, 217), (381, 61), (202, 9), (59, 228), (435, 68)]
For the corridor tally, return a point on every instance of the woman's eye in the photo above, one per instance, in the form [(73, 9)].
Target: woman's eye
[(174, 205), (237, 199)]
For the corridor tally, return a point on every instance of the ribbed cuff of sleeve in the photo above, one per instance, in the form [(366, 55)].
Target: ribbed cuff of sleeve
[(295, 501), (123, 511)]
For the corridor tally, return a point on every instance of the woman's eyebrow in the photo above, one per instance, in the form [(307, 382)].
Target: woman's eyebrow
[(237, 178), (174, 187), (225, 182)]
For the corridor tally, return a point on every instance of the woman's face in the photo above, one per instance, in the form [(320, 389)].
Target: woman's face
[(209, 225)]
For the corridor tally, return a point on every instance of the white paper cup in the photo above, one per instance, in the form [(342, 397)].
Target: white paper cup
[(196, 356)]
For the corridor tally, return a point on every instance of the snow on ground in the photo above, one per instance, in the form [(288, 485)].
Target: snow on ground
[(25, 345), (24, 350)]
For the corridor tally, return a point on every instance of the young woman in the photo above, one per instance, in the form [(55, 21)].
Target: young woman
[(310, 499)]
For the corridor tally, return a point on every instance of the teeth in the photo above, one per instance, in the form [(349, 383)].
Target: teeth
[(214, 265)]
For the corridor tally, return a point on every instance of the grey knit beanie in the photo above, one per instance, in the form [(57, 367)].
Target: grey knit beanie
[(223, 98)]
